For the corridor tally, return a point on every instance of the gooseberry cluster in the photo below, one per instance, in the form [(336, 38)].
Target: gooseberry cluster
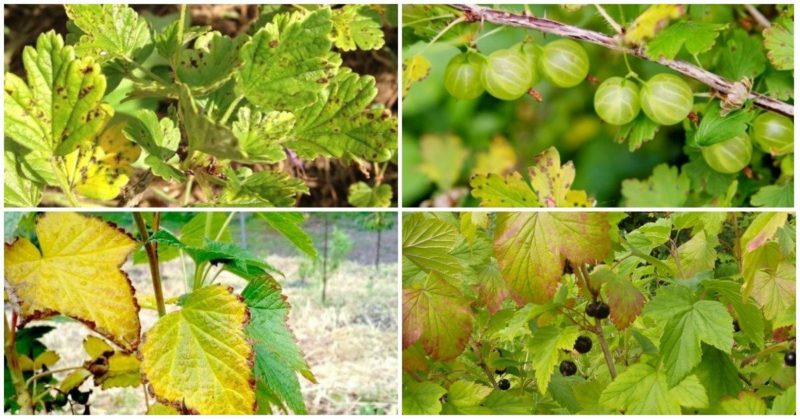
[(772, 133), (508, 74)]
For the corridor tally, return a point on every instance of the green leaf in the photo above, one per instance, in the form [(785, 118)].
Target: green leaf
[(199, 357), (718, 374), (779, 42), (61, 105), (785, 403), (160, 139), (715, 128), (18, 190), (697, 37), (706, 321), (640, 390), (288, 63), (288, 224), (213, 59), (168, 42), (746, 403), (665, 188), (545, 347), (465, 397), (261, 135), (110, 31), (437, 315), (780, 84), (362, 195), (696, 255), (775, 196), (531, 248), (742, 56), (203, 133), (262, 189), (774, 289), (421, 398), (357, 26), (277, 356), (508, 402), (340, 125), (690, 393), (637, 132), (751, 321), (427, 242)]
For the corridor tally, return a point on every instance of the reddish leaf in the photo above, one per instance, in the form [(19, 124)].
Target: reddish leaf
[(625, 300)]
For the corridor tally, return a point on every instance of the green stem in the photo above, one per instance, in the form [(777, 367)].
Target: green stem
[(444, 31), (611, 22), (152, 258), (224, 226), (187, 192), (146, 71), (488, 34), (231, 107), (63, 182), (766, 351), (12, 361), (51, 372)]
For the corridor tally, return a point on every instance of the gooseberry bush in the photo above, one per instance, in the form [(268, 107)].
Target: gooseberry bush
[(211, 350), (599, 313), (126, 106), (715, 80)]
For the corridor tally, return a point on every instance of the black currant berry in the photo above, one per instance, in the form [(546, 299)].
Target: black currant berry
[(78, 396), (602, 310), (504, 384), (567, 368), (736, 327), (790, 358), (500, 372), (583, 344), (591, 309)]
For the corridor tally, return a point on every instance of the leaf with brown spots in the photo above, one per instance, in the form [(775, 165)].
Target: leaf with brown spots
[(357, 26)]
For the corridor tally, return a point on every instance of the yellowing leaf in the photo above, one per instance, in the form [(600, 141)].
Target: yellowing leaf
[(415, 69), (774, 289), (100, 170), (552, 182), (531, 248), (443, 157), (500, 158), (652, 21), (199, 357), (437, 315), (74, 380), (75, 272), (625, 300), (46, 358), (96, 347), (123, 371)]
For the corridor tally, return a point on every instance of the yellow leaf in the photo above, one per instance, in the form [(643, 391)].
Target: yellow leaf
[(415, 69), (25, 363), (74, 380), (46, 358), (199, 356), (162, 409), (75, 272), (96, 347), (123, 371), (500, 159), (100, 170), (653, 20), (552, 181)]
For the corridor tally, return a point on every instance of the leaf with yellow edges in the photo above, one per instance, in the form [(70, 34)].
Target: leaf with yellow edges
[(75, 272), (101, 169), (198, 357), (652, 21), (110, 369), (415, 69)]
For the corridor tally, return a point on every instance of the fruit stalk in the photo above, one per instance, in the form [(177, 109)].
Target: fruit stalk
[(606, 352), (474, 13)]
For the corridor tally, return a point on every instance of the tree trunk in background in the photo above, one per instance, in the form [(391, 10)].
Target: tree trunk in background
[(242, 231), (325, 260), (378, 251)]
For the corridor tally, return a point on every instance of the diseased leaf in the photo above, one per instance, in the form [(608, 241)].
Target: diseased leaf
[(442, 159), (362, 195), (277, 356), (357, 26), (213, 59), (774, 289), (531, 248), (288, 64), (261, 135), (339, 124), (261, 189), (199, 357), (109, 31), (625, 300), (75, 272), (159, 139), (651, 21), (205, 134), (61, 105), (18, 190), (415, 69), (492, 289), (437, 315)]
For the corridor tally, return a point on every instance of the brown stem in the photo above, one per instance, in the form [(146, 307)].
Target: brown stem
[(482, 364), (152, 258), (474, 13), (606, 352), (757, 16), (23, 396)]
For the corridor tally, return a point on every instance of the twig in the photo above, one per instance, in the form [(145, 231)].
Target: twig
[(763, 21), (612, 369), (475, 13), (51, 372), (482, 364), (152, 258), (17, 379)]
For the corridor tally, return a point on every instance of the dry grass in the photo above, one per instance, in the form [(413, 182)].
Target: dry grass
[(350, 342)]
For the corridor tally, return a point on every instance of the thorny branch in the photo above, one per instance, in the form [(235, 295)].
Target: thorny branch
[(474, 13)]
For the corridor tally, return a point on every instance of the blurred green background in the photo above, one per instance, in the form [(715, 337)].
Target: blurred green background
[(565, 118)]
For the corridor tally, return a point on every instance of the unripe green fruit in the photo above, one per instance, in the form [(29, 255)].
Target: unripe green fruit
[(565, 63), (774, 133), (462, 76), (729, 156), (532, 54), (787, 166), (616, 101), (666, 99), (507, 75)]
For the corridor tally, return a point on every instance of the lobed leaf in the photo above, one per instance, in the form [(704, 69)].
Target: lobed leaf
[(779, 42), (261, 135), (362, 195), (110, 31), (665, 188), (545, 348), (357, 26)]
